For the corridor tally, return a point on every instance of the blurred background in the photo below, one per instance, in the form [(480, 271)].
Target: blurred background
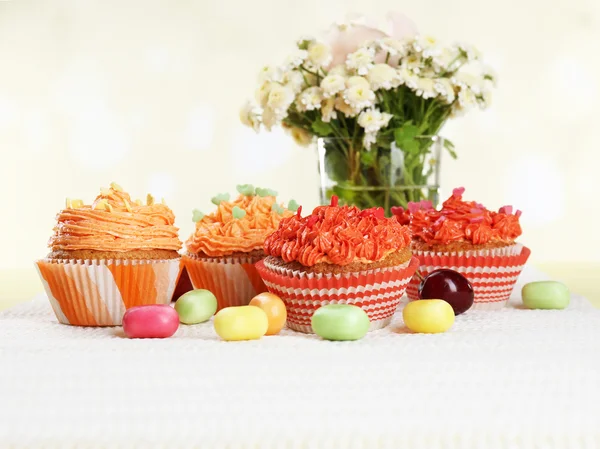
[(147, 92)]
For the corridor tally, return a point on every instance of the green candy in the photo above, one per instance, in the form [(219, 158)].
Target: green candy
[(197, 215), (277, 208), (293, 205), (218, 199), (265, 192), (545, 295), (340, 322), (238, 212), (196, 306), (245, 189)]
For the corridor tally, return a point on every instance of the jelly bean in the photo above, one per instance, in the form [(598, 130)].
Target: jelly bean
[(196, 306), (275, 309), (241, 323), (152, 321), (340, 322), (428, 316), (545, 295)]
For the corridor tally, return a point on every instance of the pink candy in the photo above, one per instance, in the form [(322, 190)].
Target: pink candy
[(152, 321)]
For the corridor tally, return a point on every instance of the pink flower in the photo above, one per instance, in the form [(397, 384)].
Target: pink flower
[(346, 40)]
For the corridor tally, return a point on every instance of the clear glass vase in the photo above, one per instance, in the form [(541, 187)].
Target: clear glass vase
[(380, 177)]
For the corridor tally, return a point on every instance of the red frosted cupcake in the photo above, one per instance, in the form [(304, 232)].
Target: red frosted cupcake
[(466, 237), (338, 255)]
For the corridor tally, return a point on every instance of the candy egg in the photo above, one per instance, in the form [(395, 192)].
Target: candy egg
[(545, 295), (275, 309), (196, 306), (241, 323), (152, 321), (428, 316), (340, 322)]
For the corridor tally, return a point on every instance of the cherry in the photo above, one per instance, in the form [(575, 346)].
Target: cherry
[(450, 286)]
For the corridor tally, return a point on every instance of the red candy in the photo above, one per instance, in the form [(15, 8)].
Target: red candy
[(152, 321)]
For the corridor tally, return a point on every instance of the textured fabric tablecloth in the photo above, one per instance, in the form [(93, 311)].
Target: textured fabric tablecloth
[(514, 378)]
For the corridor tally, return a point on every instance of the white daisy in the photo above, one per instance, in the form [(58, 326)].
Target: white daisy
[(262, 93), (392, 46), (332, 84), (359, 97), (280, 98), (319, 55), (296, 59), (466, 98), (269, 74), (427, 45), (361, 60), (445, 88), (310, 99), (342, 106), (426, 88), (269, 118), (294, 80), (372, 120), (339, 70), (250, 116), (382, 76), (466, 79), (369, 139), (470, 52), (357, 81)]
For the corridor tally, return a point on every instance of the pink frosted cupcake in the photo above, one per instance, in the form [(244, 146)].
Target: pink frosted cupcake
[(338, 255), (466, 237)]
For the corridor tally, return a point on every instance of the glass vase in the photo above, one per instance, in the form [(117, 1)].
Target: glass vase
[(380, 176)]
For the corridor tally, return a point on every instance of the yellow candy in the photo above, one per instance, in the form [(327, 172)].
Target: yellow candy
[(241, 323), (428, 316)]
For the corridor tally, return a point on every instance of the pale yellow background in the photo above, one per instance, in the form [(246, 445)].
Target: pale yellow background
[(147, 93)]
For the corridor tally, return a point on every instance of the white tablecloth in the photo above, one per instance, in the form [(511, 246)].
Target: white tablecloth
[(508, 379)]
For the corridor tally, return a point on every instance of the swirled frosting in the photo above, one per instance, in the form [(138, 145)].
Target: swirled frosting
[(115, 223), (460, 221), (337, 235), (221, 233)]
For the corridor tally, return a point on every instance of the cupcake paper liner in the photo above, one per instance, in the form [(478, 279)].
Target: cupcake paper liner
[(377, 291), (233, 280), (98, 292), (493, 273)]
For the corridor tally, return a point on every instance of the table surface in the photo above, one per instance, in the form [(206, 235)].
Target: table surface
[(513, 378)]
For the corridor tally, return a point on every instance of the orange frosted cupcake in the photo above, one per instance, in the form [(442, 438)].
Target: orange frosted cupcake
[(466, 237), (226, 244), (338, 255), (109, 256)]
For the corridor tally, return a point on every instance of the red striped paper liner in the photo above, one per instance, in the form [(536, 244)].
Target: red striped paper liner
[(98, 292), (233, 280), (377, 291), (493, 273)]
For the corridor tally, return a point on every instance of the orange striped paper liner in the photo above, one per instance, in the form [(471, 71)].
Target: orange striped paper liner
[(233, 280), (98, 292)]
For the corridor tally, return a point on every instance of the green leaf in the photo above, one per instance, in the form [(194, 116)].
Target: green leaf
[(368, 158), (409, 146), (450, 147), (320, 128)]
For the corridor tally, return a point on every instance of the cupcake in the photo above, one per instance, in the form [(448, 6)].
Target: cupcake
[(226, 244), (338, 255), (466, 237), (109, 256)]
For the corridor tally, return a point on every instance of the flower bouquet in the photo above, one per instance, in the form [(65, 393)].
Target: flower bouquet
[(375, 102)]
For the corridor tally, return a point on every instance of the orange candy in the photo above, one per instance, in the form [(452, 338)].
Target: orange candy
[(274, 307)]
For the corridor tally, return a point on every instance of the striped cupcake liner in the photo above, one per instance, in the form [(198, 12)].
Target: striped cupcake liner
[(98, 292), (377, 292), (493, 273), (233, 280)]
